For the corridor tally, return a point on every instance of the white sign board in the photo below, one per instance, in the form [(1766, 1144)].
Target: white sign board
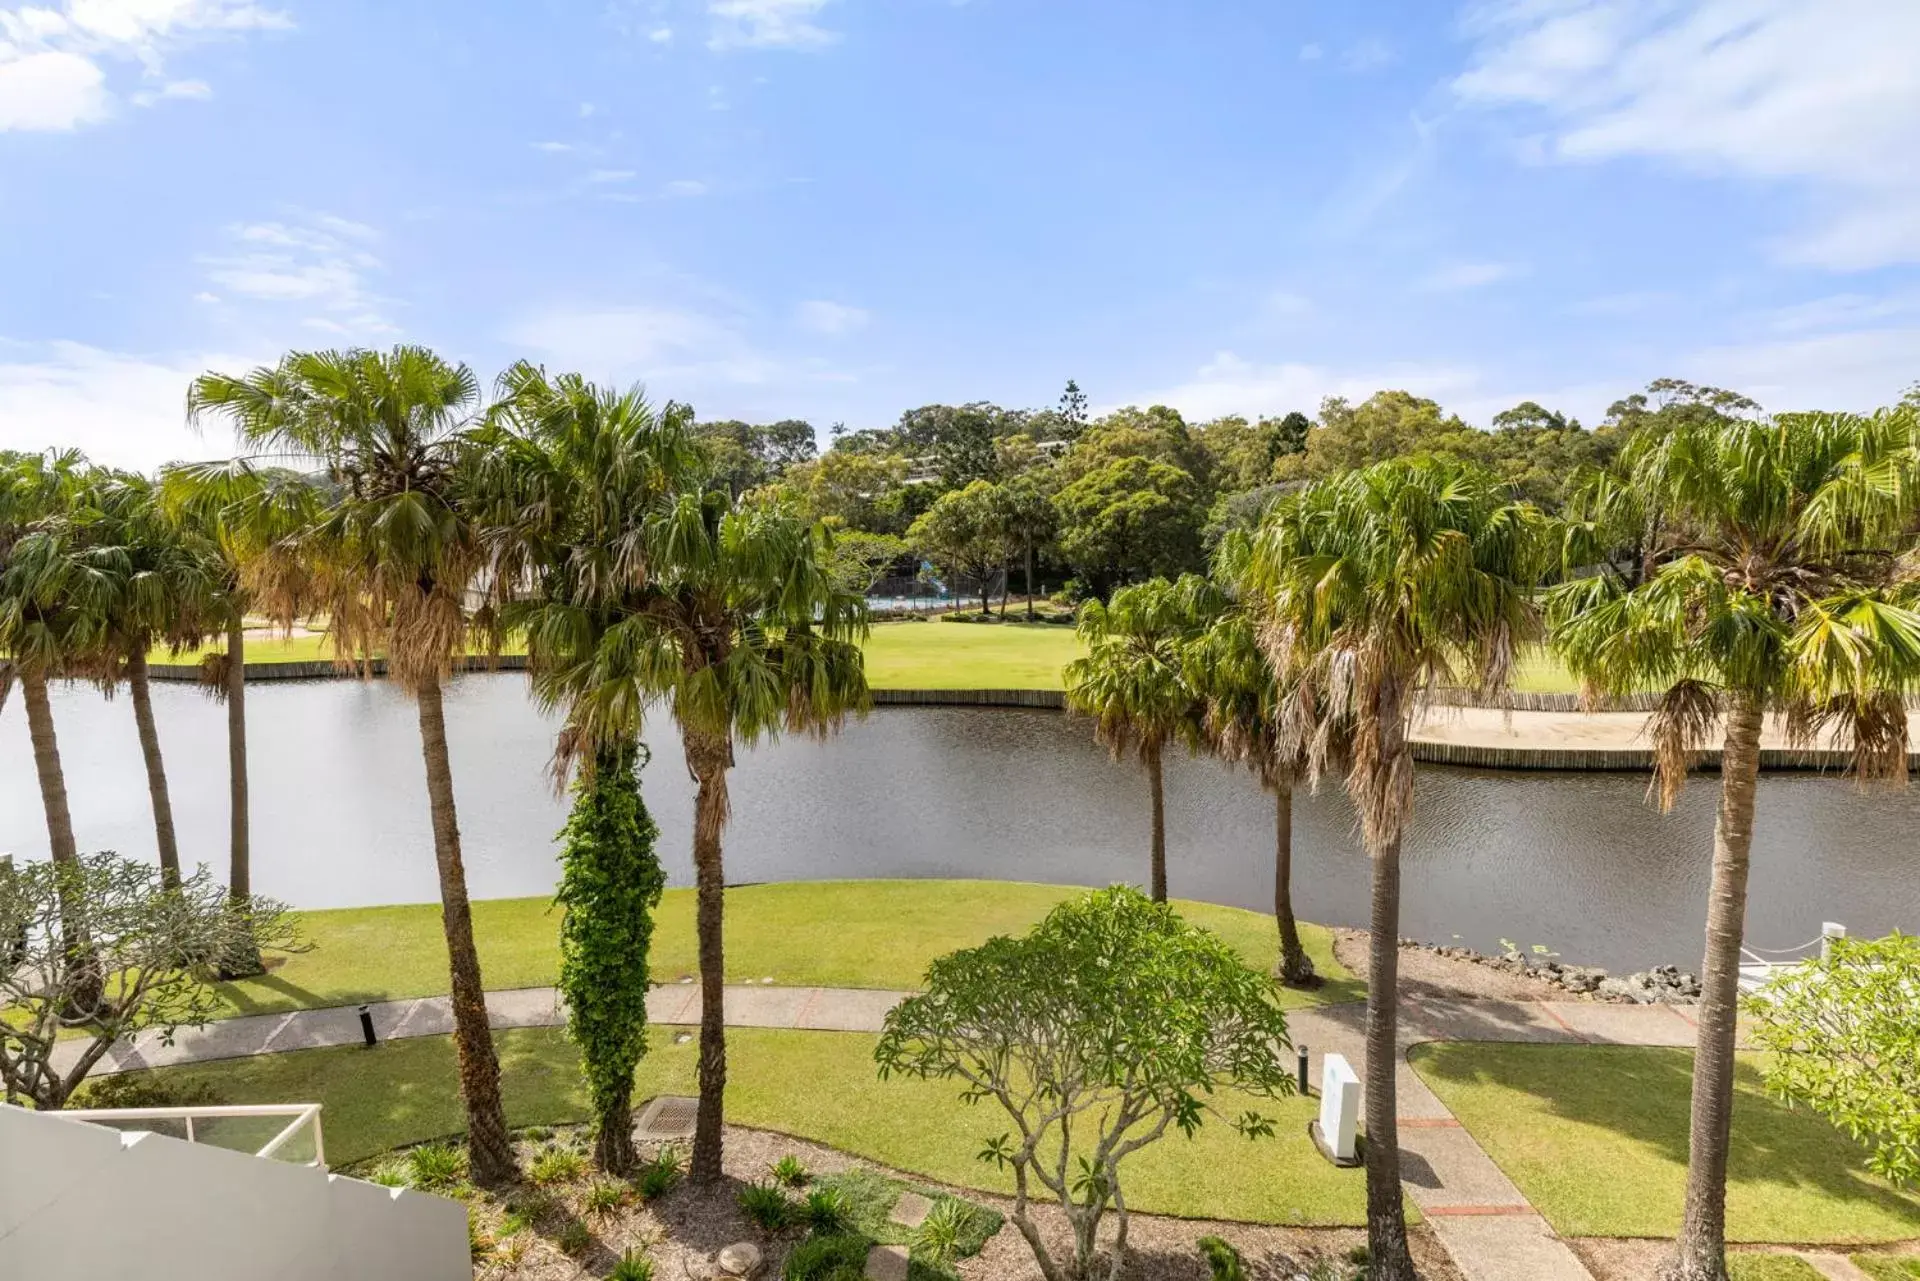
[(1339, 1107)]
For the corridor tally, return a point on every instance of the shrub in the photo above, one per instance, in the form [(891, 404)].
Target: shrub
[(657, 1177), (944, 1230), (479, 1240), (437, 1165), (524, 1212), (389, 1176), (604, 1196), (633, 1266), (828, 1258), (536, 1134), (789, 1171), (143, 1090), (827, 1211), (1223, 1261), (574, 1238), (766, 1205), (556, 1165)]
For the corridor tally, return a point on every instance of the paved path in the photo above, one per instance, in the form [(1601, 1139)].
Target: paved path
[(1477, 1212)]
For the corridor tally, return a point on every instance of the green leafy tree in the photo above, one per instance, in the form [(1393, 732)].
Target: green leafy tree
[(1108, 1025), (963, 534), (1132, 518), (1027, 521), (1375, 586), (1290, 433), (1843, 1041), (389, 560), (1132, 681), (1779, 583), (858, 559)]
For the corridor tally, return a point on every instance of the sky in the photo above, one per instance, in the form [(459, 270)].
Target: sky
[(840, 209)]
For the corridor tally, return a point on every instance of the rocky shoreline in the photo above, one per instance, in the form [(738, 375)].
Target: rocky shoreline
[(1661, 985)]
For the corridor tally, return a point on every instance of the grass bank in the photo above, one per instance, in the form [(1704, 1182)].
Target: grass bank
[(816, 1085), (1596, 1136), (874, 934)]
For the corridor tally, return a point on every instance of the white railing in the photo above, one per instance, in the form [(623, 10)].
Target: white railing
[(1758, 965), (304, 1115)]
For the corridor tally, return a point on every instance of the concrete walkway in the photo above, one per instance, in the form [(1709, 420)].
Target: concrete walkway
[(1481, 1217)]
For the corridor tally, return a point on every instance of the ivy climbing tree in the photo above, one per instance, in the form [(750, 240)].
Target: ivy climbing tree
[(610, 883)]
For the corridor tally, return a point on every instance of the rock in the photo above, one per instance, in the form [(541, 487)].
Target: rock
[(887, 1263), (911, 1210), (741, 1259)]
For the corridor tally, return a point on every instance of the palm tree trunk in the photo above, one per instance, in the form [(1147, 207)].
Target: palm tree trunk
[(163, 830), (1295, 967), (83, 983), (1388, 1258), (1029, 580), (1158, 786), (1701, 1251), (710, 757), (489, 1152), (243, 959)]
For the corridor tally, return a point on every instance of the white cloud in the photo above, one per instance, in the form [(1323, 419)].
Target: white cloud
[(831, 319), (642, 341), (53, 61), (1286, 304), (1467, 275), (206, 297), (1311, 53), (123, 409), (767, 24), (555, 147), (318, 260), (660, 35), (685, 187), (1228, 384), (1820, 94), (1367, 55), (1855, 370), (612, 175)]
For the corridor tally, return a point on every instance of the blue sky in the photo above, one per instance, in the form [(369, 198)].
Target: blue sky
[(837, 209)]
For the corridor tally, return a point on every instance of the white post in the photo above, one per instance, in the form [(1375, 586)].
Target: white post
[(1828, 933), (1337, 1131)]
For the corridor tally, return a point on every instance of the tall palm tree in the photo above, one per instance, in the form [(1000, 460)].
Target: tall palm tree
[(1131, 681), (566, 476), (741, 629), (163, 599), (390, 560), (1228, 669), (1375, 586), (242, 512), (1781, 581)]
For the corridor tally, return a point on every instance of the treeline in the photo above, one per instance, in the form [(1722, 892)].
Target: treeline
[(1087, 504)]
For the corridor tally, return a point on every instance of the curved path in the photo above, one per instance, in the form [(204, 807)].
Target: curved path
[(1484, 1221)]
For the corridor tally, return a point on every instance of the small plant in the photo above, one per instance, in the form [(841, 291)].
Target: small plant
[(827, 1211), (536, 1134), (947, 1224), (1223, 1261), (657, 1177), (525, 1212), (556, 1165), (514, 1248), (574, 1238), (479, 1240), (789, 1171), (633, 1266), (389, 1176), (835, 1258), (437, 1165), (604, 1196), (767, 1205), (1358, 1255)]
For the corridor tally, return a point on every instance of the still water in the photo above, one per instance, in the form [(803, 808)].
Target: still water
[(1576, 862)]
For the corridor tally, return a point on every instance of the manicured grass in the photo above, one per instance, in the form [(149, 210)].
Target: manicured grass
[(1771, 1267), (816, 1085), (936, 655), (1889, 1267), (1596, 1136), (876, 934), (1541, 672)]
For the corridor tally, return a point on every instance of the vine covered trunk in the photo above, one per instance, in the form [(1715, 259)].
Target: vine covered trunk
[(1295, 967), (1157, 783), (1700, 1252), (490, 1153), (163, 829), (710, 756), (243, 958)]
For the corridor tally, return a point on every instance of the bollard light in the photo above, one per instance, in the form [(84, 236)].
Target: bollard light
[(366, 1027), (1302, 1073)]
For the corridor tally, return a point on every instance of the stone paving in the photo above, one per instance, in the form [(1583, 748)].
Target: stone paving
[(1478, 1213)]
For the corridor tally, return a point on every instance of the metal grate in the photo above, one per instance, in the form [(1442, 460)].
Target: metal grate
[(668, 1117)]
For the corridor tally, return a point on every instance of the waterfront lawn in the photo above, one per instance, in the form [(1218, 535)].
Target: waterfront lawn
[(1596, 1137), (1770, 1267), (873, 934), (816, 1085), (937, 655)]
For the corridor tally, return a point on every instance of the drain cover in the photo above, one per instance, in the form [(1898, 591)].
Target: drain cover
[(670, 1116)]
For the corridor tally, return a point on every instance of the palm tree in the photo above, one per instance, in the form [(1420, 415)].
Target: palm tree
[(390, 560), (1132, 683), (740, 628), (1375, 586), (565, 479), (1228, 669), (1781, 581), (240, 512)]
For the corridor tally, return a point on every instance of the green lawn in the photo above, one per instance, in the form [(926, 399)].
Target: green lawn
[(817, 1085), (1596, 1136), (1770, 1267), (878, 934), (938, 655), (1889, 1267)]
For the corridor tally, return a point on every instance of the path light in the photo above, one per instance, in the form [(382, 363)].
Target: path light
[(366, 1027), (1300, 1074)]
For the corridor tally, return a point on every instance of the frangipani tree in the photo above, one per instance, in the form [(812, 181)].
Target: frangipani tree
[(1780, 579), (1374, 587), (1132, 682)]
